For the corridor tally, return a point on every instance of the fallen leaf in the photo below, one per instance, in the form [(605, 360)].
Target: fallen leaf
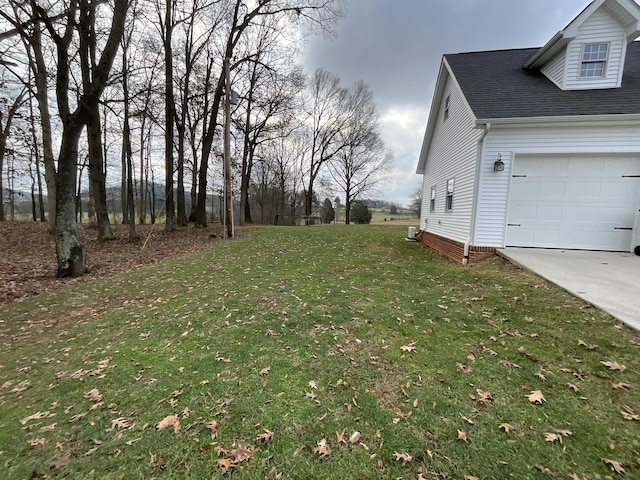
[(120, 423), (265, 437), (322, 449), (464, 368), (615, 466), (573, 387), (35, 416), (313, 384), (506, 363), (614, 366), (213, 426), (484, 396), (48, 428), (545, 470), (584, 344), (470, 477), (506, 427), (564, 433), (354, 438), (340, 437), (462, 436), (226, 465), (536, 397), (628, 413), (94, 395), (37, 442), (310, 395), (621, 386), (240, 454), (472, 356), (541, 376), (265, 370), (552, 437), (169, 421), (408, 348), (405, 457)]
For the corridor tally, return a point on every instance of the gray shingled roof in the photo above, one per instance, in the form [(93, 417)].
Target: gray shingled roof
[(497, 86)]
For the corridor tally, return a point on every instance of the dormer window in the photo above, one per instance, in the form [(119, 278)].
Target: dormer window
[(594, 60)]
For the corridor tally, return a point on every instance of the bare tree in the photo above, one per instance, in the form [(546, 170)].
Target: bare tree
[(363, 160), (71, 19), (321, 13), (6, 119)]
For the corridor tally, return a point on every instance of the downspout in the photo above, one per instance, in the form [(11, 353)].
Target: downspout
[(487, 129)]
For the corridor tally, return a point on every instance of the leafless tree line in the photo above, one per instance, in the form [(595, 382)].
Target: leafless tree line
[(84, 82)]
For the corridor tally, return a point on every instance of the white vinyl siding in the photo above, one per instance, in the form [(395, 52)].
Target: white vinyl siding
[(510, 141), (601, 27), (452, 154), (554, 70)]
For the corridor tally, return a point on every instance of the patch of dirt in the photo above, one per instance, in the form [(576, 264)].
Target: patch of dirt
[(28, 259)]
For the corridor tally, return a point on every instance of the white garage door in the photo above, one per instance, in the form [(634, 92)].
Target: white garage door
[(585, 203)]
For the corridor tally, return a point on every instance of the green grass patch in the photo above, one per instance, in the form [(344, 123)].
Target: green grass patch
[(266, 347)]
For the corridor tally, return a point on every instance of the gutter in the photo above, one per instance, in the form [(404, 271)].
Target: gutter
[(610, 119)]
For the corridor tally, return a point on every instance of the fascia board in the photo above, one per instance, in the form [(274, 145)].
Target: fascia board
[(610, 120), (443, 75)]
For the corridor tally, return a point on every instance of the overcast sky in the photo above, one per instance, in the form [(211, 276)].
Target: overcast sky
[(396, 47)]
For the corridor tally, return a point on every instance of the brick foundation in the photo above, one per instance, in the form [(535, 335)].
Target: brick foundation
[(453, 249)]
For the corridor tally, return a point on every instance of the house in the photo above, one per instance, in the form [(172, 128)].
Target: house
[(538, 147)]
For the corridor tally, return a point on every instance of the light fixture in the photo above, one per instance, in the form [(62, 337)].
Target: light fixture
[(498, 165)]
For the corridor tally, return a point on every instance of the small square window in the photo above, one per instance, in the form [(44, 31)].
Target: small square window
[(447, 105), (449, 199), (432, 201), (594, 60)]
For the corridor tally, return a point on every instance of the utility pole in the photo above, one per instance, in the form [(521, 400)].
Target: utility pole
[(228, 197)]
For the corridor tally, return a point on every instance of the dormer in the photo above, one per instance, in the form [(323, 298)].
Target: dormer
[(590, 52)]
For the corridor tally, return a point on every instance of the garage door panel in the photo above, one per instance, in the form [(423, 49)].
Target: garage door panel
[(573, 202)]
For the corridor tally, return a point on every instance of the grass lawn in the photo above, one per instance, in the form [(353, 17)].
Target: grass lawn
[(262, 357)]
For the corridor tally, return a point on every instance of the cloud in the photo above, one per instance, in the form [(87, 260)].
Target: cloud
[(395, 46)]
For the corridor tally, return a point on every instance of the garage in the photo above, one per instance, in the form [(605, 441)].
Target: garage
[(573, 202)]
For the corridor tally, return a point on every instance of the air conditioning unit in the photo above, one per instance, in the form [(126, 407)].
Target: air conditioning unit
[(411, 235), (635, 235)]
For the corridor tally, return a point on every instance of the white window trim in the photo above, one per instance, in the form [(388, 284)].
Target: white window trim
[(448, 200), (604, 62), (432, 200)]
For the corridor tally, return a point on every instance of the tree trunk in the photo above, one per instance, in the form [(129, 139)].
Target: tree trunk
[(70, 254), (169, 110), (97, 175)]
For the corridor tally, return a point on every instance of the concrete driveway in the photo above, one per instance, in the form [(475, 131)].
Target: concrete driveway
[(607, 280)]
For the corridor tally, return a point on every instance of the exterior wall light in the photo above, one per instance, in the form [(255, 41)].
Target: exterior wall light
[(498, 165)]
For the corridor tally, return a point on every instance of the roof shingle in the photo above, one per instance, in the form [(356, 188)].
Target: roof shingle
[(497, 86)]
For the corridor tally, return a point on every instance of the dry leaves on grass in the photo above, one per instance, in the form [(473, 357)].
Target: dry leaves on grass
[(170, 421), (621, 386), (35, 416), (614, 366), (628, 413), (265, 437), (536, 397), (94, 395), (462, 435), (506, 427), (322, 449), (232, 458), (408, 348), (615, 466), (464, 368), (405, 457)]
